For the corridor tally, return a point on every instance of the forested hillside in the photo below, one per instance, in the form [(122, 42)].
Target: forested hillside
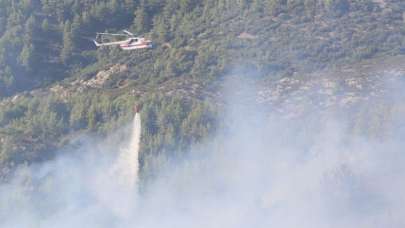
[(46, 41), (54, 83)]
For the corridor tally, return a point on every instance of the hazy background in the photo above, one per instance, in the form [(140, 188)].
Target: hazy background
[(261, 169)]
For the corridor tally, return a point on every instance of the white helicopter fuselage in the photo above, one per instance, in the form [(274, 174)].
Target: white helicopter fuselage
[(131, 43), (136, 43)]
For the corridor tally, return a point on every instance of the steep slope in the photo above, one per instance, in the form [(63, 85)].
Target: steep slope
[(57, 85), (45, 41)]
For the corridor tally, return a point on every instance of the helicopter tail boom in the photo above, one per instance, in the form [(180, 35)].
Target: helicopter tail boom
[(97, 43)]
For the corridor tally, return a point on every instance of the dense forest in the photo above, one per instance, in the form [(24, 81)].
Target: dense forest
[(46, 41), (46, 45)]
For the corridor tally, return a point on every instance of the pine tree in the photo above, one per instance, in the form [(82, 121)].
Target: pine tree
[(161, 29), (142, 20), (45, 25), (26, 56), (67, 50)]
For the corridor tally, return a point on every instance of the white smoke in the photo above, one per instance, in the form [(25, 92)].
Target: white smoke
[(262, 170), (96, 186)]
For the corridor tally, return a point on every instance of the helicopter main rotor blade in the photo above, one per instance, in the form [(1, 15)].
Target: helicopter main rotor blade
[(111, 34), (128, 32)]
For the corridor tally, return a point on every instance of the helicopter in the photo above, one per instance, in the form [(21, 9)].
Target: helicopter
[(130, 43)]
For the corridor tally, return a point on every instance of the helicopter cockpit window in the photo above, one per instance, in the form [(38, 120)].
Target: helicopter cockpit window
[(132, 41)]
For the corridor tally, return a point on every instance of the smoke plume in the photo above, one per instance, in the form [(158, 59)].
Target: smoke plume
[(261, 170)]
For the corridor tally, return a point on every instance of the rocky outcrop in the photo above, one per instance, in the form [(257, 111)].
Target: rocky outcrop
[(342, 87), (338, 88), (103, 76)]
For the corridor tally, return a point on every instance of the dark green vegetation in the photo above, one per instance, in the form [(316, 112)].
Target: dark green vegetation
[(45, 42), (36, 127)]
